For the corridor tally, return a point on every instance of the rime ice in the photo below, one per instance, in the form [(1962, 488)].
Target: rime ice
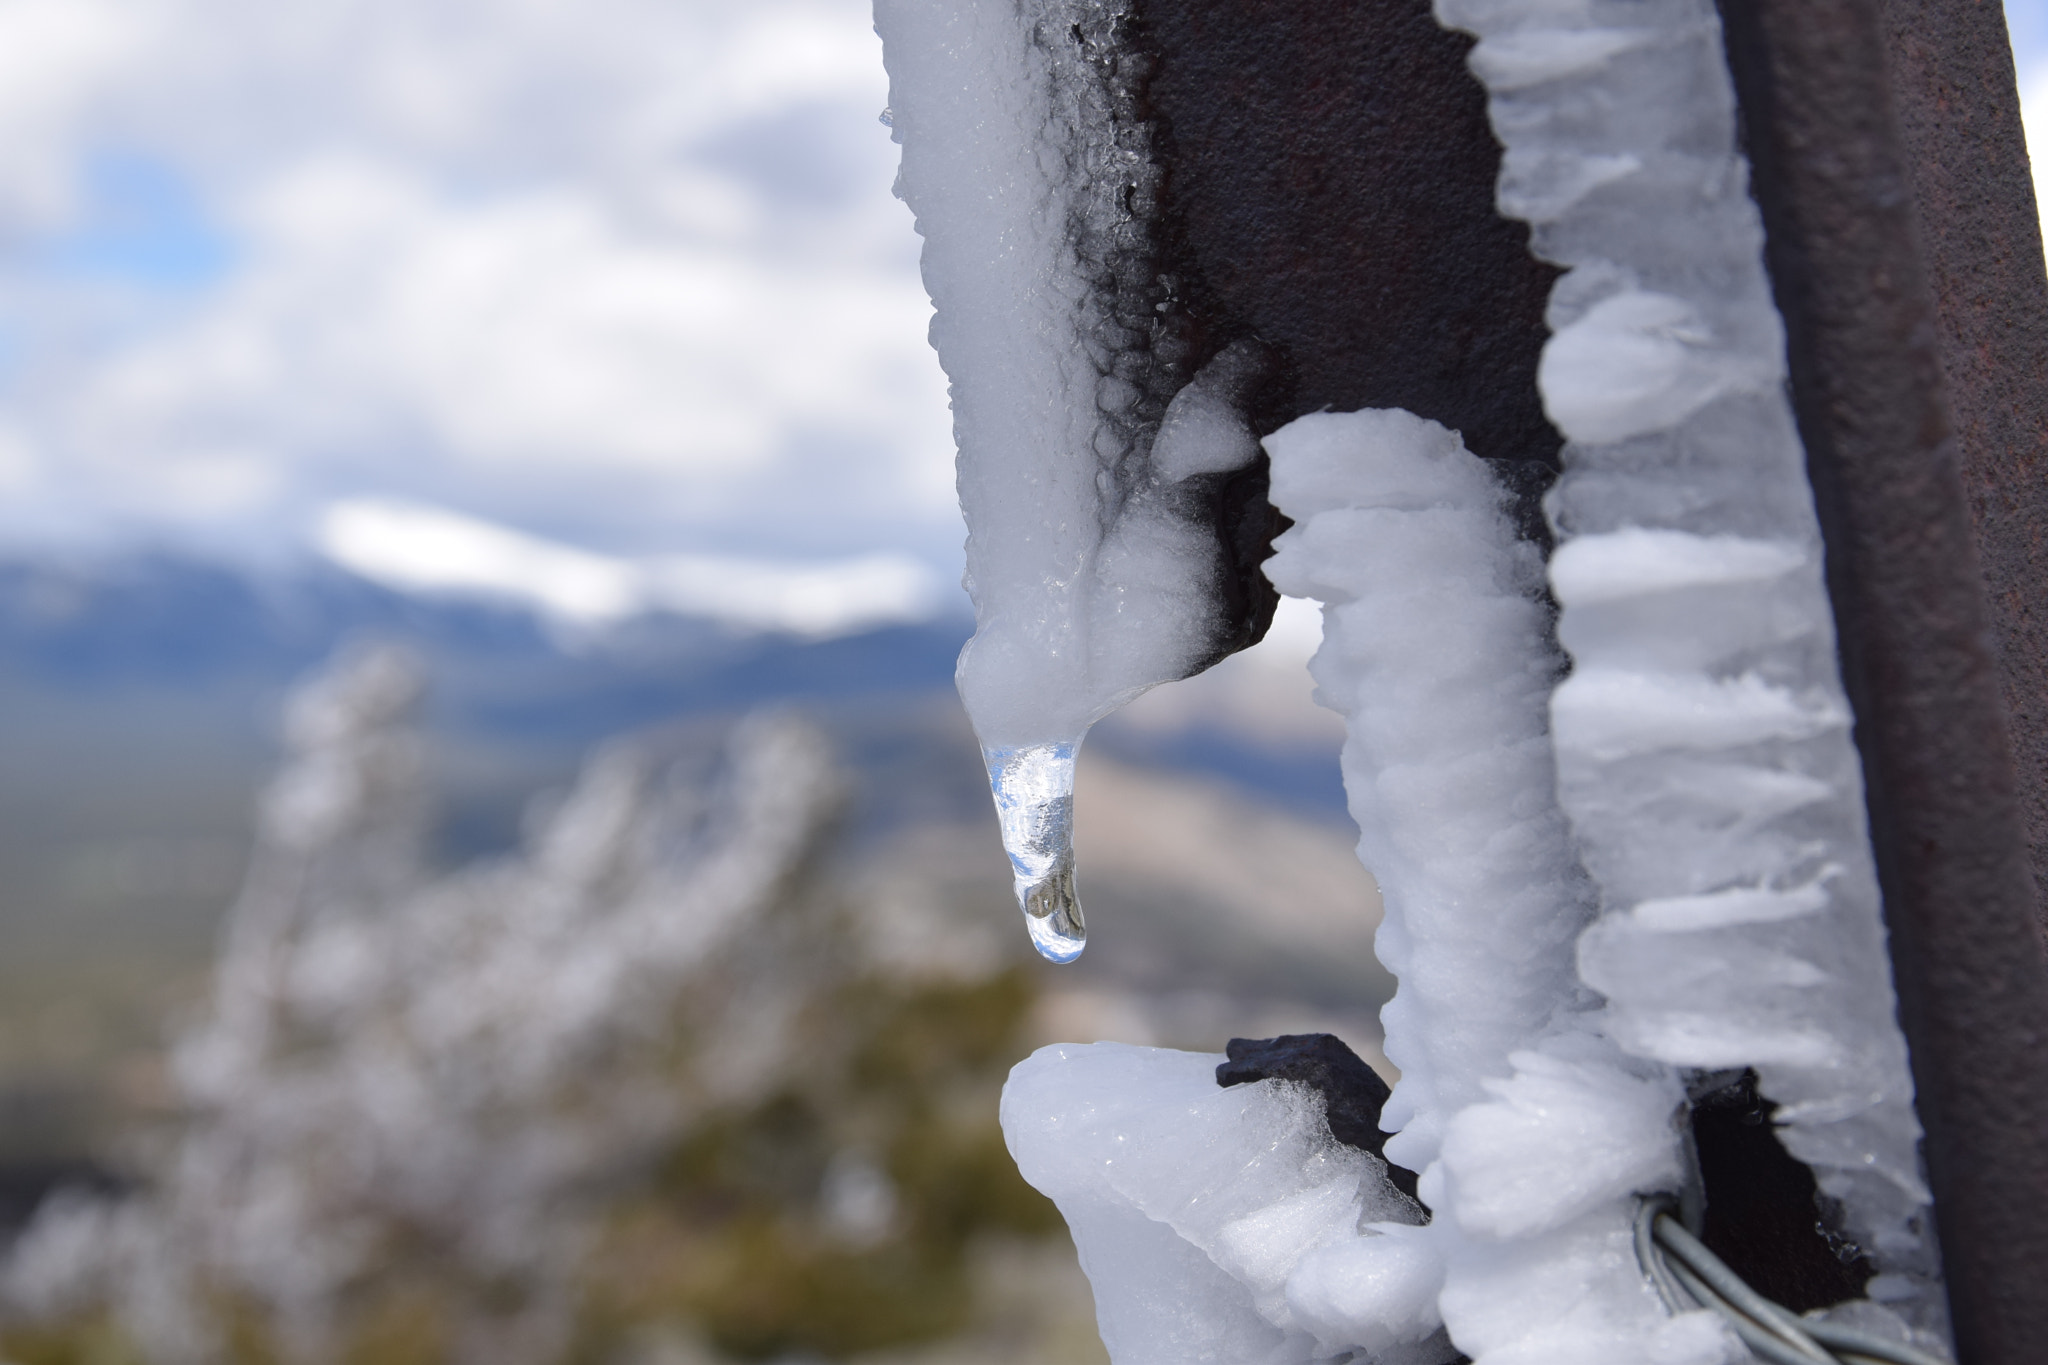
[(1434, 649), (463, 1057), (1212, 1221), (1089, 453), (1702, 740), (1531, 1131)]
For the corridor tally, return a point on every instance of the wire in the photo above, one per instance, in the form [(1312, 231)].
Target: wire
[(1687, 1276)]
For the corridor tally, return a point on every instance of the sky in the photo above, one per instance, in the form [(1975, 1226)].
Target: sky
[(622, 276), (621, 273)]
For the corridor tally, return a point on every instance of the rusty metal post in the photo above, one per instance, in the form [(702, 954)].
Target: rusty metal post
[(1852, 251), (1958, 112)]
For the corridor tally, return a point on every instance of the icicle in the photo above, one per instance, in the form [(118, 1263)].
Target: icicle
[(1034, 790)]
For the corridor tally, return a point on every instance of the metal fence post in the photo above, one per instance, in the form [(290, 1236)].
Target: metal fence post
[(1852, 250)]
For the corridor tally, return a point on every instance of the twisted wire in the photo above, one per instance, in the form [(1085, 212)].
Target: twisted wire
[(1687, 1276)]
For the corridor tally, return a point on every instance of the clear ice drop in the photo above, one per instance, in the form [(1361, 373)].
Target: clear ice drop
[(1034, 790)]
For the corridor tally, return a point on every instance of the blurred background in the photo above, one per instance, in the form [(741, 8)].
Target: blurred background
[(491, 866)]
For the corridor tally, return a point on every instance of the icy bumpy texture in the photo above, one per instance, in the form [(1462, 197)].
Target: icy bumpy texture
[(1434, 650), (1532, 1132), (1703, 744), (1214, 1223), (1089, 459)]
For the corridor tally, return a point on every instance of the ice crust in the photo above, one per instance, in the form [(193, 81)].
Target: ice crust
[(1093, 574), (1089, 456), (1703, 749), (1219, 1225)]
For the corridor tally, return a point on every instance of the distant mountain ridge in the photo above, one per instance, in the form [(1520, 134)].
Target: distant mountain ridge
[(139, 700), (161, 619), (140, 696)]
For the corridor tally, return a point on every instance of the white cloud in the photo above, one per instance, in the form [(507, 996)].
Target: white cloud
[(616, 263), (55, 55), (530, 328), (18, 460), (623, 266)]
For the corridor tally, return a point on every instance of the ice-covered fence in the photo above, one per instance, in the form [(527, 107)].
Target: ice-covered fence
[(1702, 742)]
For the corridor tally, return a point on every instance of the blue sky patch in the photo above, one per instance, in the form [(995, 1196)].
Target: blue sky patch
[(2027, 21), (143, 224)]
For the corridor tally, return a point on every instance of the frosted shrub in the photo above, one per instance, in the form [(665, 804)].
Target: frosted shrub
[(405, 1077)]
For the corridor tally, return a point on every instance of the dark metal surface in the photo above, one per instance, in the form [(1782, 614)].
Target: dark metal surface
[(1761, 1208), (1329, 187), (1916, 641), (1957, 104), (1142, 332)]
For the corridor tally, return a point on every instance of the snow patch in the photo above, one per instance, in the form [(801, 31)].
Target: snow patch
[(425, 549)]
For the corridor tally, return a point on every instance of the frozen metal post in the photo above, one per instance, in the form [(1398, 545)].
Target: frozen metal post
[(1159, 230), (1903, 251), (1329, 187)]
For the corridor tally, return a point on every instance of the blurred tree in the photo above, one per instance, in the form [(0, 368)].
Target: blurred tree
[(653, 1069)]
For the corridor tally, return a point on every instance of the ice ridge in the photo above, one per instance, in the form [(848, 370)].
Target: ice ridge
[(1702, 740), (1532, 1131)]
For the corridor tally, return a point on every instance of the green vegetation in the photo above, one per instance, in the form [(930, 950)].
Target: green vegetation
[(663, 1086), (734, 1233), (729, 1233)]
